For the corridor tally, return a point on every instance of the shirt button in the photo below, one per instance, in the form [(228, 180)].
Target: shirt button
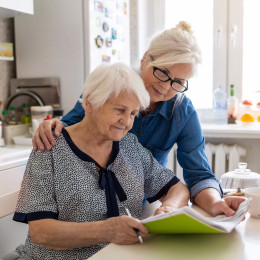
[(138, 133), (146, 117)]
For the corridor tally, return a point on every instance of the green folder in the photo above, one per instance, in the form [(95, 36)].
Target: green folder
[(180, 224), (188, 220)]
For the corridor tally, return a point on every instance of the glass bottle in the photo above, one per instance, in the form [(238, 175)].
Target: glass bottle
[(26, 115), (232, 106), (220, 106), (11, 116)]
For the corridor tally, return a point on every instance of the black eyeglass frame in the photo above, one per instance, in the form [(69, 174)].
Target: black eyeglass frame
[(172, 80)]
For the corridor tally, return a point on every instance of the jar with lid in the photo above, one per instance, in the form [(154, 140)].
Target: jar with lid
[(40, 112), (57, 113), (258, 112), (246, 112), (240, 178)]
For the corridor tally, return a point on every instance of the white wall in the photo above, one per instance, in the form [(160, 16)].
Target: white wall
[(147, 18), (58, 25)]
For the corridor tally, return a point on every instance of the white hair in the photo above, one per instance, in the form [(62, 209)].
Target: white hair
[(175, 45), (109, 80)]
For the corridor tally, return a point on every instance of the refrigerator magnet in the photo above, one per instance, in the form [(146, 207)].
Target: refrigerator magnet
[(98, 21), (109, 12), (114, 51), (114, 34), (99, 41), (125, 8), (99, 7), (105, 26), (105, 58), (109, 42)]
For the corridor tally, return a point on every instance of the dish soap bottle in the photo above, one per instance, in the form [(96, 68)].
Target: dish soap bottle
[(26, 117), (232, 106)]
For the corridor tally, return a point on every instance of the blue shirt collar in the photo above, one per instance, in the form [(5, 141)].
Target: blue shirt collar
[(165, 108)]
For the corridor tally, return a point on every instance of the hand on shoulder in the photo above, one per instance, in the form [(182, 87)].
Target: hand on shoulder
[(43, 138)]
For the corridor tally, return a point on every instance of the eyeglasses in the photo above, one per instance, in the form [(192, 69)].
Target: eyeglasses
[(179, 85)]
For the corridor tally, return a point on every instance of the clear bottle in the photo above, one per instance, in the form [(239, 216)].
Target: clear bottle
[(26, 115), (4, 117), (2, 142), (220, 106), (11, 116), (232, 106)]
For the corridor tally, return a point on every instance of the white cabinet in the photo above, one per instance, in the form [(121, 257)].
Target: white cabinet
[(11, 8), (13, 161)]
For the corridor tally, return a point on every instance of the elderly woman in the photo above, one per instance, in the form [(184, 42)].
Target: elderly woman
[(74, 196), (171, 59)]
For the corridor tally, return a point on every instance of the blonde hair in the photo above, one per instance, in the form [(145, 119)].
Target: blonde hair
[(108, 81), (175, 45)]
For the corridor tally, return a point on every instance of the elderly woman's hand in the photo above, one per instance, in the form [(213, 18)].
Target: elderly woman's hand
[(120, 230), (43, 136), (164, 209)]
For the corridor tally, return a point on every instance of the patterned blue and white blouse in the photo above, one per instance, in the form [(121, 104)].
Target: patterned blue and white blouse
[(64, 184)]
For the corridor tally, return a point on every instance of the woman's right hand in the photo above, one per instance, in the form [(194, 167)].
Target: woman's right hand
[(43, 137), (120, 230)]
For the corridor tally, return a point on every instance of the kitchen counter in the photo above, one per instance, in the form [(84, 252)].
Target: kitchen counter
[(248, 131), (13, 155)]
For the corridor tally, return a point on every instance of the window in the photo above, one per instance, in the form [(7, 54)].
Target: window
[(201, 86), (227, 32), (251, 50)]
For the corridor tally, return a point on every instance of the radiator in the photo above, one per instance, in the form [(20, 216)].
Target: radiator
[(222, 158)]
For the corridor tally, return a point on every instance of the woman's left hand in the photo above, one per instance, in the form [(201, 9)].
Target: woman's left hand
[(209, 199), (227, 206)]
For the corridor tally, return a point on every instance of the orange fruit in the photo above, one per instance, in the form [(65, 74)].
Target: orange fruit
[(247, 118), (247, 102)]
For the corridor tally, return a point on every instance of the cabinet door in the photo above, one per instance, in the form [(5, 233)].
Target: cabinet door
[(10, 179), (11, 8), (10, 183), (12, 233)]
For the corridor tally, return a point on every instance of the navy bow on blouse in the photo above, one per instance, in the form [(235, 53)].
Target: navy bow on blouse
[(109, 182)]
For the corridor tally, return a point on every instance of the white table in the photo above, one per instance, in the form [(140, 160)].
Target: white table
[(243, 243)]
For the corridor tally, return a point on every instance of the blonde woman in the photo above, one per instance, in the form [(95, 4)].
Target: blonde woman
[(170, 61)]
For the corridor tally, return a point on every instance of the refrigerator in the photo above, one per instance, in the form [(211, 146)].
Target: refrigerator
[(69, 39)]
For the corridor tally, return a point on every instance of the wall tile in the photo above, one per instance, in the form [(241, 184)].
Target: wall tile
[(7, 68)]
